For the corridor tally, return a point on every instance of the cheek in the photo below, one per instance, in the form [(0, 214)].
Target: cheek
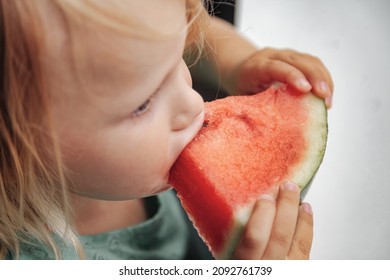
[(119, 165)]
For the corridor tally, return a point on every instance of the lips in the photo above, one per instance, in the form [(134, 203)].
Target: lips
[(182, 138), (197, 124), (191, 131)]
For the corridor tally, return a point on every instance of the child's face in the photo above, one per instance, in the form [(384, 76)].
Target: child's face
[(122, 127)]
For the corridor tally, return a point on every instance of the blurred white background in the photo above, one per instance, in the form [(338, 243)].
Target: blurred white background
[(351, 193)]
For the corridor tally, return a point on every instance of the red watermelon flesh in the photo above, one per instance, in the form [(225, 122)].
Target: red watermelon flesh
[(248, 144)]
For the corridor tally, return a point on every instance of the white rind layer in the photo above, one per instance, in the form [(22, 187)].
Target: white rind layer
[(316, 131)]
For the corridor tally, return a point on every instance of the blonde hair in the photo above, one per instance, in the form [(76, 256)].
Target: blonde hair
[(33, 187)]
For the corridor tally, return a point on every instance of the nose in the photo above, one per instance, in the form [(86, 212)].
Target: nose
[(187, 104), (189, 110)]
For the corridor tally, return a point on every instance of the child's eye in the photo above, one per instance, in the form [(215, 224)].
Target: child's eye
[(143, 108)]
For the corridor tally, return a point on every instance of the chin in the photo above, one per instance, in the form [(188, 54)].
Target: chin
[(160, 189)]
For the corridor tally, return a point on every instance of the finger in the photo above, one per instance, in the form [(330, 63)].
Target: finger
[(277, 70), (319, 75), (322, 89), (303, 239), (321, 80), (311, 66), (285, 222), (258, 229), (313, 70)]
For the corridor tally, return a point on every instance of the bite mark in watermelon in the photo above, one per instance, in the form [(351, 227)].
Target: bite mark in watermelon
[(248, 144)]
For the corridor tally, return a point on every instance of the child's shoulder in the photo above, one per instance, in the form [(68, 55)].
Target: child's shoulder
[(166, 231)]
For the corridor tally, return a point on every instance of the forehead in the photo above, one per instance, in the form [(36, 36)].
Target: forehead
[(122, 42), (122, 15)]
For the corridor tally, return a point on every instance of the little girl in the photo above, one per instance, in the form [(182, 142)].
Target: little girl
[(97, 104)]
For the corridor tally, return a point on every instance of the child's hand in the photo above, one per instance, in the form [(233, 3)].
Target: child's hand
[(278, 229), (302, 71)]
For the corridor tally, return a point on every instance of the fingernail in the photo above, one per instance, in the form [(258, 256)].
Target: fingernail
[(267, 197), (307, 208), (324, 87), (303, 83), (291, 186)]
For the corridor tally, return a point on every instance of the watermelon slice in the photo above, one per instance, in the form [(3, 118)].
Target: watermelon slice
[(248, 144)]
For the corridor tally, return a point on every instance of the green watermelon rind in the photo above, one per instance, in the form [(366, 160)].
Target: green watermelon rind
[(319, 121), (304, 181)]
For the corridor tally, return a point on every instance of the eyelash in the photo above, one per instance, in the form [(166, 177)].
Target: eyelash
[(144, 108)]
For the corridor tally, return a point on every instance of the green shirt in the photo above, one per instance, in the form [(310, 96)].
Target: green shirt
[(167, 234)]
